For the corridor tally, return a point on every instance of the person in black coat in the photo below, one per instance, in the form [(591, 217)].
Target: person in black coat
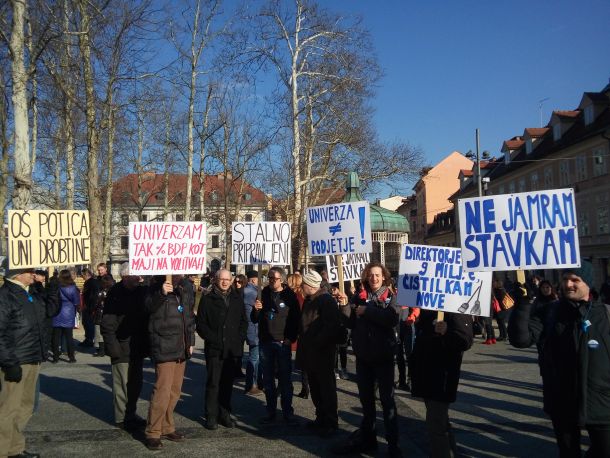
[(573, 340), (320, 332), (435, 366), (373, 318), (171, 327), (278, 316), (91, 289), (23, 310), (222, 324), (125, 330)]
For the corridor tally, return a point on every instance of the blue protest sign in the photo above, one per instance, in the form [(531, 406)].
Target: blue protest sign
[(533, 230), (341, 228), (432, 278)]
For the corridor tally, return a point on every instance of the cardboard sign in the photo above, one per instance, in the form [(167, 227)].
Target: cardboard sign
[(159, 248), (41, 238), (530, 230), (261, 243), (353, 265), (433, 278), (343, 228)]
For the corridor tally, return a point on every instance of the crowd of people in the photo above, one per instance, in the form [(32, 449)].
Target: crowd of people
[(134, 318)]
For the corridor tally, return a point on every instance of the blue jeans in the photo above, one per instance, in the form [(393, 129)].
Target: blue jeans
[(277, 358), (254, 370)]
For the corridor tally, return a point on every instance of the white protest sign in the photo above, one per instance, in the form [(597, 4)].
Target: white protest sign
[(533, 230), (342, 228), (353, 265), (261, 243), (38, 238), (160, 248), (432, 278)]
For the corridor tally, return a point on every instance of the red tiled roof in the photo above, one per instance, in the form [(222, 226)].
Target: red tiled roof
[(536, 132), (567, 113), (125, 190), (512, 144), (466, 173)]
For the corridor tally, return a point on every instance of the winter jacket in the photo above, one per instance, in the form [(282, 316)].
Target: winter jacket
[(222, 323), (171, 327), (91, 289), (125, 324), (374, 334), (574, 363), (320, 326), (279, 318), (436, 360), (22, 324), (69, 297), (250, 294)]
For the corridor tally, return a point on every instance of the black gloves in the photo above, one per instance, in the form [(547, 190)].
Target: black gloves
[(12, 373)]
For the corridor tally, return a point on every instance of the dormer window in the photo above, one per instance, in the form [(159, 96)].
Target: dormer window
[(529, 146), (557, 131), (589, 115)]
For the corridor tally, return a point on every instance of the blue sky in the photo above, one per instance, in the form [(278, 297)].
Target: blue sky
[(454, 66)]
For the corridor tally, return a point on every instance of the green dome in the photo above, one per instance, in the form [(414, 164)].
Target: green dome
[(382, 220)]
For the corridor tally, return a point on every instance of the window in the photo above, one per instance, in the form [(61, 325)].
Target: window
[(179, 217), (522, 187), (197, 216), (581, 168), (600, 162), (124, 219), (248, 217), (124, 242), (589, 115), (583, 223), (534, 181), (557, 131), (564, 173), (529, 146), (511, 187), (215, 221), (247, 196), (144, 217), (214, 196), (215, 241), (603, 226), (548, 178), (506, 157), (501, 189)]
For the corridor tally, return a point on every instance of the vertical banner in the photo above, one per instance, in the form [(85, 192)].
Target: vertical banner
[(432, 278), (530, 230), (159, 248), (343, 228), (41, 238), (353, 265), (261, 243)]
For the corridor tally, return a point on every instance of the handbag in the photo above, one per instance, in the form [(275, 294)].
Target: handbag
[(507, 301), (495, 305)]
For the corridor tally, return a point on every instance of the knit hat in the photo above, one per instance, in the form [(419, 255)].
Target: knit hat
[(252, 274), (585, 271), (312, 278), (10, 273)]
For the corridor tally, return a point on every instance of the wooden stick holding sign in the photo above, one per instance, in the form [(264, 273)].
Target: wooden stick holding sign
[(260, 282), (440, 316), (340, 273)]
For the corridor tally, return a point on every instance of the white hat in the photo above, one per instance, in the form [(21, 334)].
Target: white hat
[(312, 278)]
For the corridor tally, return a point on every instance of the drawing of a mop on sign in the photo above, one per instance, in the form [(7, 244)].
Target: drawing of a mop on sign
[(476, 307)]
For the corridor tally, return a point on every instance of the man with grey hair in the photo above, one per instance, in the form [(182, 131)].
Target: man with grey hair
[(125, 330), (22, 348), (222, 324)]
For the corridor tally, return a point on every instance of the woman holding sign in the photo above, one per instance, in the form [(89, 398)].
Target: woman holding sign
[(373, 318)]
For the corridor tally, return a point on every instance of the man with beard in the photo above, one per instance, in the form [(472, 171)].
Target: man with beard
[(573, 340)]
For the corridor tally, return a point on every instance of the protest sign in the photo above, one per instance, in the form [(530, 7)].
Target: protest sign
[(353, 265), (40, 238), (261, 243), (533, 230), (433, 278), (342, 228), (157, 248)]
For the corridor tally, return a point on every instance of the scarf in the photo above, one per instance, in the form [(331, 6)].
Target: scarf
[(379, 297)]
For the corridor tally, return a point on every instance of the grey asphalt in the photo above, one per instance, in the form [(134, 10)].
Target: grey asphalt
[(498, 413)]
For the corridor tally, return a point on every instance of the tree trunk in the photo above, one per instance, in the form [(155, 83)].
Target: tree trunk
[(109, 177), (4, 148), (22, 174), (95, 209)]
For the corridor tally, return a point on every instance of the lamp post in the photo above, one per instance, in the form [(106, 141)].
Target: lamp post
[(477, 160)]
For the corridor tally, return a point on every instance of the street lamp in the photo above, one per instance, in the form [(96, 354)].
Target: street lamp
[(477, 160)]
